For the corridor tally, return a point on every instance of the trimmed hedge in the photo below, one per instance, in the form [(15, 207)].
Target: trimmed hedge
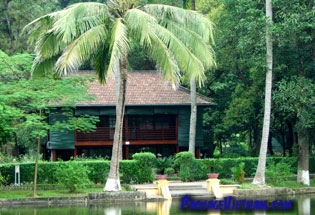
[(136, 171), (131, 171), (251, 164)]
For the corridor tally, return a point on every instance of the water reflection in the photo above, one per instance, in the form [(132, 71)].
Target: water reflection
[(302, 205), (112, 211)]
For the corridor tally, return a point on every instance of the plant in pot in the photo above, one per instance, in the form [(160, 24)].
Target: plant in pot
[(161, 164), (213, 165)]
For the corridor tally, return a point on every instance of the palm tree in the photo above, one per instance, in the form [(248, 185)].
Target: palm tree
[(193, 106), (259, 178), (178, 40)]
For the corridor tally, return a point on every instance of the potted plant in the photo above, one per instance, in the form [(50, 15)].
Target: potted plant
[(212, 165), (161, 164)]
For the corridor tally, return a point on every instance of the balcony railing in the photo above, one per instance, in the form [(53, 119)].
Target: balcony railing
[(134, 133)]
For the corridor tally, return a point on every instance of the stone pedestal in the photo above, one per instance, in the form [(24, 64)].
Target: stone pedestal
[(211, 183), (163, 190)]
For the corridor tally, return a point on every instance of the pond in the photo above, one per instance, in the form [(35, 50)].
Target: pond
[(303, 205)]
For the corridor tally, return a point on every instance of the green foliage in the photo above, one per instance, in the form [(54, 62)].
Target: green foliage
[(295, 99), (23, 110), (145, 163), (15, 14), (192, 171), (161, 164), (211, 164), (183, 158), (238, 172), (129, 172), (189, 168), (278, 172), (72, 175), (2, 180), (226, 181)]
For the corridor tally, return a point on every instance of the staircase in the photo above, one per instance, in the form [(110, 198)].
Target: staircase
[(193, 189)]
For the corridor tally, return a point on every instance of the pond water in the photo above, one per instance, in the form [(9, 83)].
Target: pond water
[(303, 205)]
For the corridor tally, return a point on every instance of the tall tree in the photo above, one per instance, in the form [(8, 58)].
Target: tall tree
[(296, 99), (193, 105), (259, 178), (193, 99), (177, 40)]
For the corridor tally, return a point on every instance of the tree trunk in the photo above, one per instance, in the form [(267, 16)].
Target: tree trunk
[(303, 163), (36, 168), (259, 178), (193, 112), (193, 117), (113, 181), (36, 163)]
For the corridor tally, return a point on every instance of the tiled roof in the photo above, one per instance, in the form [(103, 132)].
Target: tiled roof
[(143, 88)]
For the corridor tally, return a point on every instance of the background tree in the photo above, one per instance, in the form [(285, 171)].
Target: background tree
[(296, 99), (14, 15), (176, 39)]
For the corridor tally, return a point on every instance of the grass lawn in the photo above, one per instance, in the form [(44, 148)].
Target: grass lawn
[(19, 193), (283, 183)]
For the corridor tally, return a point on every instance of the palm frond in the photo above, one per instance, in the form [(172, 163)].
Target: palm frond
[(165, 61), (184, 17), (48, 45), (100, 62), (81, 49), (199, 47), (139, 22), (43, 66), (119, 45), (140, 25), (78, 18), (186, 60)]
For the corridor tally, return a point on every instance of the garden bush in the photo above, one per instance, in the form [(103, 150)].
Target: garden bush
[(144, 169), (279, 172), (190, 169), (72, 175)]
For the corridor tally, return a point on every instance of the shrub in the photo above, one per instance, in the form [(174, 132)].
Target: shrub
[(276, 173), (72, 175), (161, 164), (190, 169), (145, 162), (129, 171), (238, 172)]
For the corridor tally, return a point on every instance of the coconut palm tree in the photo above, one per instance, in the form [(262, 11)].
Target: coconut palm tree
[(178, 40), (259, 178)]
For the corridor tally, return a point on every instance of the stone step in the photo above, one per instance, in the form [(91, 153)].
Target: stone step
[(192, 193), (181, 187)]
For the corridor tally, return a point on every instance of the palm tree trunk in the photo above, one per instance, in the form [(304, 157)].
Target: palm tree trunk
[(259, 178), (303, 175), (193, 112), (193, 117), (113, 181)]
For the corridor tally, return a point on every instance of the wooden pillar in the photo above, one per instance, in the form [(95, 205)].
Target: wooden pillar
[(75, 152), (126, 128), (127, 152), (54, 155), (177, 128), (177, 149), (197, 152)]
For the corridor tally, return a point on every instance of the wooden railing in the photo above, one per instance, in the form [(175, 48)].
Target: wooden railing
[(134, 133)]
